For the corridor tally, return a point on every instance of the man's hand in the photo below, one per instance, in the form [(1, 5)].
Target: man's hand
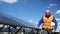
[(53, 31)]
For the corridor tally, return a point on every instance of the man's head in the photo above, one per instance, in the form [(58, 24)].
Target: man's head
[(47, 12)]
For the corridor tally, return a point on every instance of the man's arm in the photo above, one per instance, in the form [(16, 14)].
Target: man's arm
[(39, 23), (54, 20)]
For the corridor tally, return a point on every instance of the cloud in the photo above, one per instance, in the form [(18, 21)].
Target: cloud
[(57, 19), (30, 20), (14, 1), (36, 23), (9, 1), (58, 12), (52, 5)]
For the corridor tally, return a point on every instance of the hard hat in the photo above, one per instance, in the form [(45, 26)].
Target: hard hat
[(52, 24)]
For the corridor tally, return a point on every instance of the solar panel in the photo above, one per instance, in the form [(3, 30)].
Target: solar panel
[(9, 20)]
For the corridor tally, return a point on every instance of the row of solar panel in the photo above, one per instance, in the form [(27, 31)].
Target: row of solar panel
[(6, 19)]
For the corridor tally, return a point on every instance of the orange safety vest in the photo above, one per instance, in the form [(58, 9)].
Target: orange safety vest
[(47, 22)]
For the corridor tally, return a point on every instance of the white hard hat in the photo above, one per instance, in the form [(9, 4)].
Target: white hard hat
[(52, 24)]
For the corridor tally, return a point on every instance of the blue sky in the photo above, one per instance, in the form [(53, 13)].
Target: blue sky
[(30, 10)]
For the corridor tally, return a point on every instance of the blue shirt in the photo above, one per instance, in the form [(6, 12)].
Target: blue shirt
[(54, 20)]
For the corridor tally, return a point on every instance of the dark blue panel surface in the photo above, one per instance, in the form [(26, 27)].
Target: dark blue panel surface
[(14, 21)]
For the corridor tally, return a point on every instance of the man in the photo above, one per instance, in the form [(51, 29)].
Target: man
[(46, 22)]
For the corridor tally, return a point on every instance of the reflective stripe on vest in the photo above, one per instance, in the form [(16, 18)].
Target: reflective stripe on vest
[(47, 22)]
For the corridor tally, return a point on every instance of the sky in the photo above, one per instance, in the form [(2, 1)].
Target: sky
[(30, 10)]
